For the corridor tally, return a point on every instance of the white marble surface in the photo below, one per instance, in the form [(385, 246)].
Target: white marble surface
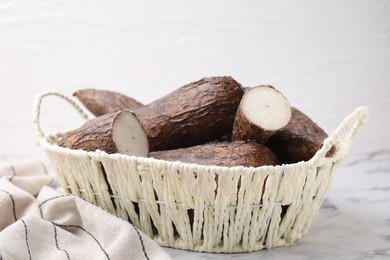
[(353, 222)]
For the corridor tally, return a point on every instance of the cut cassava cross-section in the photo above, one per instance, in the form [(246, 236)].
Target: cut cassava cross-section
[(118, 132), (299, 140), (196, 113), (100, 102), (263, 111), (221, 154)]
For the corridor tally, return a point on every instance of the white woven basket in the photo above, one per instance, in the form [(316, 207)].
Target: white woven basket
[(180, 205)]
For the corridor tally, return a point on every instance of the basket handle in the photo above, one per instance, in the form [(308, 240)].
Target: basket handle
[(352, 123), (37, 110)]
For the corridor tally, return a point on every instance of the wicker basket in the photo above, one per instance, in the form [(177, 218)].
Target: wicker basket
[(180, 205)]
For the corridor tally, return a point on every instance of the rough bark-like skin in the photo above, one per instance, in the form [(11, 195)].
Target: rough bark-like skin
[(224, 138), (221, 154), (194, 114), (244, 129), (100, 102), (299, 140), (94, 134)]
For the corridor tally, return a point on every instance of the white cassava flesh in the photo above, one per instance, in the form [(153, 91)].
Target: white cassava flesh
[(129, 135), (267, 108), (262, 111)]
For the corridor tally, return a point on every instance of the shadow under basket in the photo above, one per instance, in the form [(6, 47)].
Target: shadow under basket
[(203, 208)]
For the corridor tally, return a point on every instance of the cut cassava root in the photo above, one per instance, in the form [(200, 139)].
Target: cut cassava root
[(262, 111), (299, 140), (100, 102), (221, 154), (118, 132)]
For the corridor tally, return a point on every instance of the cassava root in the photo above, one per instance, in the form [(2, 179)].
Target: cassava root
[(118, 132), (299, 140), (221, 154), (263, 110), (100, 102), (196, 113)]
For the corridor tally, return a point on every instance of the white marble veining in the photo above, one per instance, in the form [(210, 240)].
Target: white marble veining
[(353, 222)]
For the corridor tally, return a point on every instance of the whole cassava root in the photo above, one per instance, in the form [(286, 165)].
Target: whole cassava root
[(193, 114), (100, 102), (299, 140), (118, 132), (263, 110), (221, 154)]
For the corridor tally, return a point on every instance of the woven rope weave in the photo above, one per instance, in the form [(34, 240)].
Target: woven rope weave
[(201, 208)]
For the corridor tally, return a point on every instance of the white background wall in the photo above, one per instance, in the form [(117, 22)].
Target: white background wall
[(327, 57)]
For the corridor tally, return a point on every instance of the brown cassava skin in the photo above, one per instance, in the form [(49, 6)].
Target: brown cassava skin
[(196, 113), (100, 102), (244, 129), (224, 138), (299, 140), (94, 134), (221, 154)]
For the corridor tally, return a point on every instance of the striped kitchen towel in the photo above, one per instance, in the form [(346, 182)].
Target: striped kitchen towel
[(39, 222)]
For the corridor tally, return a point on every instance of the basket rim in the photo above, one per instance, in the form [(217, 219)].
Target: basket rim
[(98, 154)]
